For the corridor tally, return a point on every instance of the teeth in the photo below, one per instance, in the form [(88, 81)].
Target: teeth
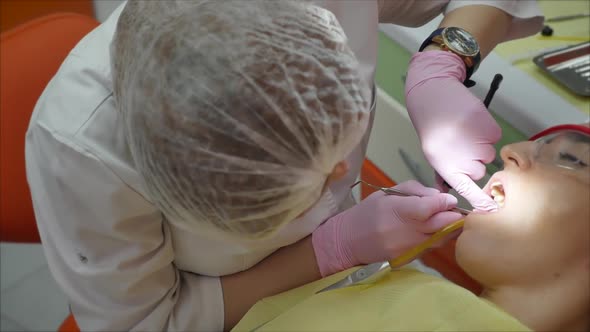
[(498, 193)]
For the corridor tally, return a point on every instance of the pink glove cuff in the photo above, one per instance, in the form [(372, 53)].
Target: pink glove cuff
[(330, 256), (434, 64)]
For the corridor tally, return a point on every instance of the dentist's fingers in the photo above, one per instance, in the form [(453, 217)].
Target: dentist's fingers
[(487, 153), (438, 221), (421, 239), (471, 191), (417, 210), (441, 184), (413, 187), (447, 238)]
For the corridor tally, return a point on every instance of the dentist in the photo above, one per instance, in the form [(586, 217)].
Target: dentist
[(190, 158)]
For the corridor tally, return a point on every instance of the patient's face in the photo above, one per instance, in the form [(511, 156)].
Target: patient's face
[(543, 224)]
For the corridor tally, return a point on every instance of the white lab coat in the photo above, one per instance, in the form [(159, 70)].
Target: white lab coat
[(121, 264)]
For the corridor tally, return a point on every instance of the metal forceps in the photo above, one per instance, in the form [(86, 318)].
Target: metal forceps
[(372, 272)]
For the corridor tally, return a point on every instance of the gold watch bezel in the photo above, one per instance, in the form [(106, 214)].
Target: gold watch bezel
[(446, 42)]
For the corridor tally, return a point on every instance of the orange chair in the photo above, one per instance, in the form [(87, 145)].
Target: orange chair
[(441, 259), (16, 12), (30, 55)]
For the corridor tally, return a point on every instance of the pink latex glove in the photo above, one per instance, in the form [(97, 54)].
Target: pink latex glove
[(455, 128), (381, 227)]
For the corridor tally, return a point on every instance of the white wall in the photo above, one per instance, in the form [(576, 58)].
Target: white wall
[(103, 8)]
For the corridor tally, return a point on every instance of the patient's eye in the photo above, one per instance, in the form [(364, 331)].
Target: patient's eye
[(570, 158)]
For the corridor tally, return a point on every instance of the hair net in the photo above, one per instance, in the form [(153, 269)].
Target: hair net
[(236, 111)]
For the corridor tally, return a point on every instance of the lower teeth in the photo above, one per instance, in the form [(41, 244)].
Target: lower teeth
[(499, 200)]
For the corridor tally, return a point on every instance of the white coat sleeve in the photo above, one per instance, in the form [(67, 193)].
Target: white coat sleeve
[(108, 248), (527, 17), (411, 13)]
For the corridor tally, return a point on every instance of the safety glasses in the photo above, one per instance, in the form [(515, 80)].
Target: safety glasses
[(566, 148)]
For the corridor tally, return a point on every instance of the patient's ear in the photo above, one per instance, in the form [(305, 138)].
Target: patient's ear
[(338, 172)]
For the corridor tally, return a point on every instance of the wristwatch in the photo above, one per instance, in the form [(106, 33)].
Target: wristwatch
[(460, 42)]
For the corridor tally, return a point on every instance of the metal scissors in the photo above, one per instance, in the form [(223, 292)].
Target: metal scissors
[(365, 275), (372, 272)]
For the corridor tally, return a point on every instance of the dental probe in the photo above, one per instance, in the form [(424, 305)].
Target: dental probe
[(397, 192)]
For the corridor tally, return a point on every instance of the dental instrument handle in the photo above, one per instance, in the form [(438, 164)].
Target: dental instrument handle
[(393, 191), (493, 88), (415, 251)]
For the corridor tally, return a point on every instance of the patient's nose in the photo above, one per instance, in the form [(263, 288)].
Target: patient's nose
[(518, 155)]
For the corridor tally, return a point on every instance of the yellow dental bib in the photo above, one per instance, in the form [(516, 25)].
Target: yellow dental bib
[(404, 300)]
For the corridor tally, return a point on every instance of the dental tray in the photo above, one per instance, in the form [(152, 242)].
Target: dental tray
[(570, 66)]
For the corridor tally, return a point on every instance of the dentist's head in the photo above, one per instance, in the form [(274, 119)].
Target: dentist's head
[(237, 112)]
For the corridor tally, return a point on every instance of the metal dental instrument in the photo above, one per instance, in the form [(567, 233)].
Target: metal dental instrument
[(365, 275), (397, 192), (372, 272), (566, 17)]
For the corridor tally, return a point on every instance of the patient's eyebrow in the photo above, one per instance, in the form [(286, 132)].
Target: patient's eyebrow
[(578, 137)]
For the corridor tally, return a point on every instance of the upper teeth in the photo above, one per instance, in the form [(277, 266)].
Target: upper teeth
[(498, 193)]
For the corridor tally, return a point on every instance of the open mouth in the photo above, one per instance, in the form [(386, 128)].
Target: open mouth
[(496, 188), (497, 193)]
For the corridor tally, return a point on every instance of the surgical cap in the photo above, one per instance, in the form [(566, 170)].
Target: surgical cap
[(236, 111)]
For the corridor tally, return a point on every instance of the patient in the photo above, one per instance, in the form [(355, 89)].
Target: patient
[(532, 258)]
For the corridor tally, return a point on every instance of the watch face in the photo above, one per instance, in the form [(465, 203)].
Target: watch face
[(460, 41)]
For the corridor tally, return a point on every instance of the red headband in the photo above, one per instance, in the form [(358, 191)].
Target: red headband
[(551, 130)]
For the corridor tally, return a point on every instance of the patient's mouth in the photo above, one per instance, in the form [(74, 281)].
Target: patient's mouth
[(497, 193)]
